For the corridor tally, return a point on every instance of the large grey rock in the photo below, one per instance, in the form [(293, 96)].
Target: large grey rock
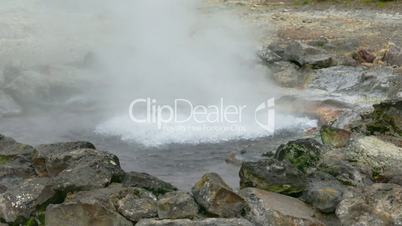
[(205, 222), (394, 55), (23, 197), (96, 207), (268, 208), (11, 148), (337, 78), (268, 56), (286, 74), (148, 182), (216, 197), (46, 157), (302, 153), (177, 205), (272, 175), (323, 192), (304, 54), (383, 160), (138, 204), (86, 169), (377, 205), (335, 163), (15, 158)]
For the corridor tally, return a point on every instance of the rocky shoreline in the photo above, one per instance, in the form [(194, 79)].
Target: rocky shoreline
[(345, 178)]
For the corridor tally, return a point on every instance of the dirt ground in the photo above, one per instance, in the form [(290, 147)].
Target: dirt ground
[(354, 23)]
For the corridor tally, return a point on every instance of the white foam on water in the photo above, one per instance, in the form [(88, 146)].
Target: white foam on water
[(192, 132)]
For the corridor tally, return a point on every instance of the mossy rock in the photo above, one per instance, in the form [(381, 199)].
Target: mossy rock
[(334, 137), (302, 153), (273, 175)]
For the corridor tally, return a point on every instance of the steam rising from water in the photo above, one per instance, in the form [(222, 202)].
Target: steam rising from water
[(164, 49)]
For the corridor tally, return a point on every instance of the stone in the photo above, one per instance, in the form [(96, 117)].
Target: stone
[(378, 204), (138, 205), (11, 148), (334, 137), (216, 197), (302, 153), (385, 119), (204, 222), (148, 182), (177, 205), (393, 55), (336, 164), (96, 207), (337, 78), (15, 158), (304, 54), (323, 192), (286, 74), (364, 56), (272, 175), (85, 169), (268, 56), (382, 160), (45, 157), (268, 208), (24, 197), (83, 215)]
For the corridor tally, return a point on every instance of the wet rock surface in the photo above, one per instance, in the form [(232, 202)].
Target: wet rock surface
[(379, 204), (146, 181), (272, 175), (186, 222), (216, 197), (177, 205), (267, 208)]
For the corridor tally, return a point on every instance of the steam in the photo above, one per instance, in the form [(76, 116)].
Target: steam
[(164, 49)]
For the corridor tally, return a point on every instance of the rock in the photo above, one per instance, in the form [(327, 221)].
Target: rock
[(304, 54), (8, 106), (272, 175), (204, 222), (46, 159), (323, 192), (83, 215), (148, 182), (364, 56), (335, 163), (385, 119), (337, 78), (286, 74), (15, 158), (24, 197), (177, 205), (393, 56), (268, 56), (10, 148), (302, 153), (334, 137), (85, 169), (268, 208), (379, 204), (383, 160), (138, 204), (216, 197), (96, 207)]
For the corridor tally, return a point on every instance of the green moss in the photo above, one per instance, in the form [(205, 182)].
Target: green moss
[(4, 159)]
